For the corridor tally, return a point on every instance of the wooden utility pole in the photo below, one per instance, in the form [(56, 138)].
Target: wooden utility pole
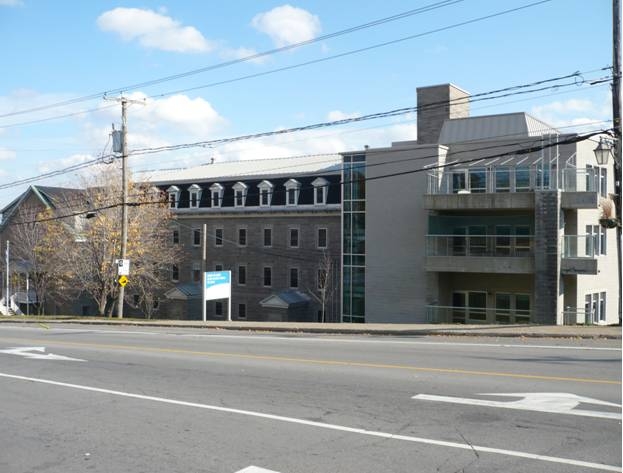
[(124, 197), (616, 119)]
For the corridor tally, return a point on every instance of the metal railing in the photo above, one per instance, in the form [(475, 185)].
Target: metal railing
[(573, 316), (504, 179), (480, 245), (473, 315), (581, 246)]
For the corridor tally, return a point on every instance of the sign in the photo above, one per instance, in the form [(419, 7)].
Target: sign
[(217, 285), (123, 280), (553, 403), (27, 352), (255, 469), (123, 267)]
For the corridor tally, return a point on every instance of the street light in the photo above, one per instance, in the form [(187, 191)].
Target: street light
[(603, 151)]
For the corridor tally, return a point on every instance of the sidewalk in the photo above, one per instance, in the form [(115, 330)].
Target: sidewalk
[(532, 331)]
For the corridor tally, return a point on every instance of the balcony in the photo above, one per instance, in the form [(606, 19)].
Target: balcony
[(579, 253), (510, 187), (504, 254)]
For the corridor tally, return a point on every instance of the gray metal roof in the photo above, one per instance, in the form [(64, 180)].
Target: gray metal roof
[(491, 127), (234, 170)]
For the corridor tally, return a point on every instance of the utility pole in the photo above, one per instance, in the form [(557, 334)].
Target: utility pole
[(204, 265), (616, 119), (124, 196), (6, 297)]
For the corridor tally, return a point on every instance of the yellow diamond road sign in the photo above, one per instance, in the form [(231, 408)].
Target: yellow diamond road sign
[(123, 280)]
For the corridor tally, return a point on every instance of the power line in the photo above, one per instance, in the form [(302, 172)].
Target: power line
[(528, 150), (416, 11)]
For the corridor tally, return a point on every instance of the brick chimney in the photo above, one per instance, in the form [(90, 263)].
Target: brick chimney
[(435, 104)]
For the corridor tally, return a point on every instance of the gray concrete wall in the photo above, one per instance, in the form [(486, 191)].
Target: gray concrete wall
[(396, 227), (435, 104)]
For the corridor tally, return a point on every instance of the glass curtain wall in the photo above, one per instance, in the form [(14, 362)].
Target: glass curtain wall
[(354, 244)]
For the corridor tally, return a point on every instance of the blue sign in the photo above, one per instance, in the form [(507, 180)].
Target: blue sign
[(217, 285)]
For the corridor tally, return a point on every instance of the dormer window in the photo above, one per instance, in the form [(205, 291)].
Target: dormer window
[(266, 193), (321, 189), (240, 194), (174, 196), (194, 192), (293, 188), (216, 194)]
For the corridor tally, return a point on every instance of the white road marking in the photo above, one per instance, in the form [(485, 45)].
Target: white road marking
[(322, 425), (36, 353), (255, 469), (303, 338), (553, 403)]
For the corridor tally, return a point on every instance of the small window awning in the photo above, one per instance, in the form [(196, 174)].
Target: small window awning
[(285, 300), (184, 292)]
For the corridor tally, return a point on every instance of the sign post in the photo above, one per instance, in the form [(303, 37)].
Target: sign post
[(217, 285)]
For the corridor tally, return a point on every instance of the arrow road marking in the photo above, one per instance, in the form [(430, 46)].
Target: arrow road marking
[(553, 403), (36, 353)]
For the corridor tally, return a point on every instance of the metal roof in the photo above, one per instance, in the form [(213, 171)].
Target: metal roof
[(235, 170), (491, 127)]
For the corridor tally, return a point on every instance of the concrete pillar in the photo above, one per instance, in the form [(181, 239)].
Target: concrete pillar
[(547, 283)]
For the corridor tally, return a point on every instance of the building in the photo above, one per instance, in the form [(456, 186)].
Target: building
[(483, 219), (274, 223)]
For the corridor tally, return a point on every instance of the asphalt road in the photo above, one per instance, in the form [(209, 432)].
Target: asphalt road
[(175, 400)]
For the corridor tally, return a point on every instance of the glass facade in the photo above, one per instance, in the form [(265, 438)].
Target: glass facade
[(354, 238)]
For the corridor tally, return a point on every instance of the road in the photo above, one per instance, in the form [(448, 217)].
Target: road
[(76, 399)]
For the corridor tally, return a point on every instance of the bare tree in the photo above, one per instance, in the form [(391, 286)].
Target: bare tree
[(325, 288)]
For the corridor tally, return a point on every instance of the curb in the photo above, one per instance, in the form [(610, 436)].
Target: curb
[(458, 332)]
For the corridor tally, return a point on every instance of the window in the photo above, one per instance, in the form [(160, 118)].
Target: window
[(523, 241), (175, 236), (218, 237), (196, 272), (503, 308), (216, 194), (175, 273), (458, 181), (240, 194), (242, 275), (218, 267), (321, 188), (603, 182), (502, 179), (478, 180), (266, 193), (218, 308), (194, 192), (522, 179), (595, 240), (174, 194), (294, 238), (268, 237), (242, 311), (293, 188), (522, 308), (477, 240), (321, 241), (294, 278), (502, 240), (268, 276), (322, 279), (242, 237), (196, 237)]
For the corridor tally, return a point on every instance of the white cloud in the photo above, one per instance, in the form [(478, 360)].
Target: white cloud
[(153, 30), (241, 53), (6, 153), (11, 3), (336, 115), (287, 25), (573, 112)]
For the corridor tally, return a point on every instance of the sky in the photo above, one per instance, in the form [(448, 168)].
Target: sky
[(66, 63)]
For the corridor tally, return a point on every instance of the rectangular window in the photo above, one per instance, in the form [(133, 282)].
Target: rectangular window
[(218, 267), (322, 238), (268, 276), (176, 237), (264, 198), (523, 242), (294, 238), (242, 236), (522, 308), (522, 179), (320, 195), (478, 180), (242, 311), (477, 240), (196, 272), (603, 182), (602, 240), (196, 236), (593, 240), (172, 200), (268, 237), (294, 278), (242, 275), (458, 182), (502, 179), (502, 240), (194, 199), (291, 197), (239, 199), (218, 237), (175, 273), (477, 305), (218, 308), (216, 200), (503, 308)]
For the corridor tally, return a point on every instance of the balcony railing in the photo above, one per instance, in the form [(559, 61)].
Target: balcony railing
[(451, 315), (582, 246), (500, 179), (480, 245)]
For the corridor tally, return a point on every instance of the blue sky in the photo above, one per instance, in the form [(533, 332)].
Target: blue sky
[(58, 51)]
